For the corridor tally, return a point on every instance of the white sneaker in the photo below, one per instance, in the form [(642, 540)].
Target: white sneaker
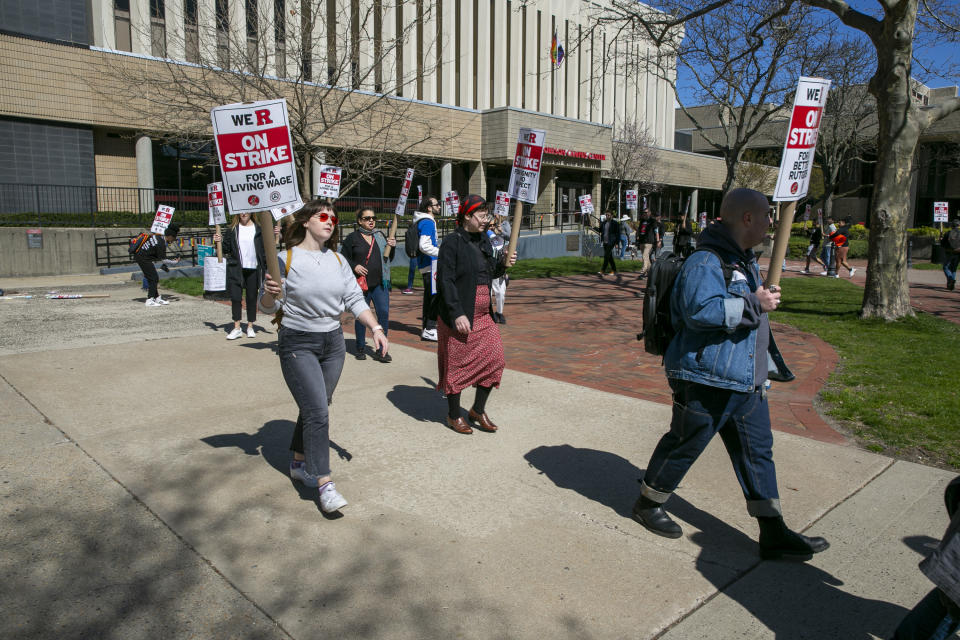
[(823, 273), (853, 271), (152, 302), (836, 275), (330, 498), (161, 300), (804, 271), (298, 471), (250, 332), (236, 333), (429, 334)]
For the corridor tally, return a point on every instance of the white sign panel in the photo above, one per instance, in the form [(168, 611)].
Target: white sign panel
[(806, 213), (941, 211), (501, 206), (453, 203), (256, 155), (215, 203), (286, 210), (214, 274), (586, 203), (794, 178), (632, 198), (525, 177), (329, 182), (162, 220), (404, 192)]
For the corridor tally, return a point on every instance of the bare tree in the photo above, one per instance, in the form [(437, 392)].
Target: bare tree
[(892, 32), (633, 160), (340, 65)]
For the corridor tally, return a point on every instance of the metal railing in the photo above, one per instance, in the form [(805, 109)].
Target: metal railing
[(114, 251)]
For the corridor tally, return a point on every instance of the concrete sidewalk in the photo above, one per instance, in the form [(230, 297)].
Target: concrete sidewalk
[(144, 475)]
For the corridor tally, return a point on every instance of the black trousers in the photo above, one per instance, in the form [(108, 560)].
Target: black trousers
[(429, 320), (249, 280), (608, 258), (150, 273)]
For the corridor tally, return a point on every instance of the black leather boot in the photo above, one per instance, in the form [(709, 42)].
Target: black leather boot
[(652, 516), (777, 542)]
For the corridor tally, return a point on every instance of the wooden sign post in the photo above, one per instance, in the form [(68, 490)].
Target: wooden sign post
[(391, 234), (781, 240), (265, 218)]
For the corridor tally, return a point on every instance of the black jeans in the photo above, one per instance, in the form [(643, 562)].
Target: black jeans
[(150, 273), (608, 257), (429, 320), (250, 281)]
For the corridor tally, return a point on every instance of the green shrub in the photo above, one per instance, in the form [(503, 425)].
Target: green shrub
[(925, 231)]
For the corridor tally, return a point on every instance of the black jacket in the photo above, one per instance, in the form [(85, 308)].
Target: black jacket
[(463, 257), (231, 251), (354, 248)]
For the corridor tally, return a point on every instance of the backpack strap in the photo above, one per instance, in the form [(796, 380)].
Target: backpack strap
[(728, 268)]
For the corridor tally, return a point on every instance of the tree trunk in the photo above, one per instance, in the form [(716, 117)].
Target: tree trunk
[(306, 164), (887, 294)]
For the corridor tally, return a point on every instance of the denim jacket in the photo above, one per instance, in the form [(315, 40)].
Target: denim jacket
[(717, 324)]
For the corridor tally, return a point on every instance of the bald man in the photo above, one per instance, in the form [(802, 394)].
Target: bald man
[(719, 365)]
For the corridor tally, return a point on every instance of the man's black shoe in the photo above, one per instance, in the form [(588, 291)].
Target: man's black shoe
[(360, 355), (656, 520), (792, 546)]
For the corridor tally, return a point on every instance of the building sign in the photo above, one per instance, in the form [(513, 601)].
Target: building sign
[(452, 201), (794, 178), (525, 177), (567, 153), (404, 192), (34, 238), (941, 211), (631, 198), (501, 206), (162, 220), (215, 203), (329, 182), (586, 204), (256, 155)]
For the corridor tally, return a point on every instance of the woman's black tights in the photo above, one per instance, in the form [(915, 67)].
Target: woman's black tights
[(479, 402)]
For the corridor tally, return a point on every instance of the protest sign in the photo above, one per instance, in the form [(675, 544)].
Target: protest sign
[(162, 220), (283, 212), (586, 204), (204, 251), (404, 192), (525, 176), (703, 220), (631, 198), (215, 203), (419, 194), (214, 275), (329, 182), (793, 180), (501, 205), (941, 211), (256, 155), (453, 203), (806, 213)]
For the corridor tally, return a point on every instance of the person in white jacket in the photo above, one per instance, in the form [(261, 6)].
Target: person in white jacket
[(428, 249)]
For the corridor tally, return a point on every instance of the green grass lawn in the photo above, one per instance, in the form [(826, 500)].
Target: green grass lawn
[(927, 266), (186, 286), (895, 387)]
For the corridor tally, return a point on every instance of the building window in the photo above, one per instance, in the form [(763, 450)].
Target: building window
[(158, 29), (280, 37), (191, 34), (121, 24), (252, 30), (223, 33)]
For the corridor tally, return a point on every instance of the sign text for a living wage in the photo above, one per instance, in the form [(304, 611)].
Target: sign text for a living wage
[(501, 205), (404, 192), (941, 211), (329, 186), (256, 155), (631, 198), (215, 203), (162, 220), (525, 176), (795, 168)]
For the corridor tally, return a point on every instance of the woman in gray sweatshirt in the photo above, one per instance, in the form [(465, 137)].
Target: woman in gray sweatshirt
[(318, 286)]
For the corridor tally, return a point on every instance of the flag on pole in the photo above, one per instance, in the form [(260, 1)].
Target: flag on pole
[(556, 52)]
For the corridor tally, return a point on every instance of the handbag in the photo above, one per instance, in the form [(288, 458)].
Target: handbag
[(362, 280)]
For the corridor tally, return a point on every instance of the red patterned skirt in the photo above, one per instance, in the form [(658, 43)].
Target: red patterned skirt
[(472, 360)]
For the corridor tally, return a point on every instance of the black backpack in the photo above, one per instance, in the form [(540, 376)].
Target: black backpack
[(137, 242), (411, 241), (658, 328)]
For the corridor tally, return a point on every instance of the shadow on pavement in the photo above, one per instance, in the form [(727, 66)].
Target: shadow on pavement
[(425, 404), (794, 600)]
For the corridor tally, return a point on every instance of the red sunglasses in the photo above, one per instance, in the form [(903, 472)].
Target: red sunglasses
[(323, 216)]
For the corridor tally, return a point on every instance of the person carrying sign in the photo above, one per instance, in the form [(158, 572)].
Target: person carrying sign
[(428, 250), (609, 231), (718, 365), (154, 249), (649, 238), (246, 265), (318, 286)]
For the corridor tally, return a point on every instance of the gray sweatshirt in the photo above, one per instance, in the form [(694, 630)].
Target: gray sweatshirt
[(319, 286)]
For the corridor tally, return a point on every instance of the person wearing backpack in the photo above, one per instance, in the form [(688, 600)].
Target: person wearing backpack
[(951, 249), (718, 383), (428, 248), (153, 249), (648, 237)]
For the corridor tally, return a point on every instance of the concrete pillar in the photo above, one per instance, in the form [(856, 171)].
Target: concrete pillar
[(465, 33), (500, 63), (409, 35), (388, 50), (694, 204), (446, 179), (140, 27), (207, 31), (319, 158), (238, 35), (547, 198), (595, 191), (266, 42), (478, 179), (447, 63), (429, 46), (104, 31), (144, 151), (482, 31)]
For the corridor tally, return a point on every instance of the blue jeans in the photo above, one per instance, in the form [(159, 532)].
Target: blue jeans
[(311, 363), (950, 266), (411, 273), (379, 299), (743, 421), (826, 254), (623, 246)]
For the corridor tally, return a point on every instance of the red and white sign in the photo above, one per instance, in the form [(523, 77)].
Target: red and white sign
[(218, 214), (941, 211), (501, 206), (419, 194), (404, 192), (806, 213), (632, 198), (256, 155), (162, 220), (286, 210), (703, 220), (453, 203), (586, 203), (525, 177), (329, 186), (795, 168)]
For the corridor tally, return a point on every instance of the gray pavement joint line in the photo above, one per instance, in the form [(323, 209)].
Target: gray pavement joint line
[(137, 499), (750, 569)]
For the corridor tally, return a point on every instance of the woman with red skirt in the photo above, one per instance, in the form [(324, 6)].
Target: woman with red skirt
[(469, 353)]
